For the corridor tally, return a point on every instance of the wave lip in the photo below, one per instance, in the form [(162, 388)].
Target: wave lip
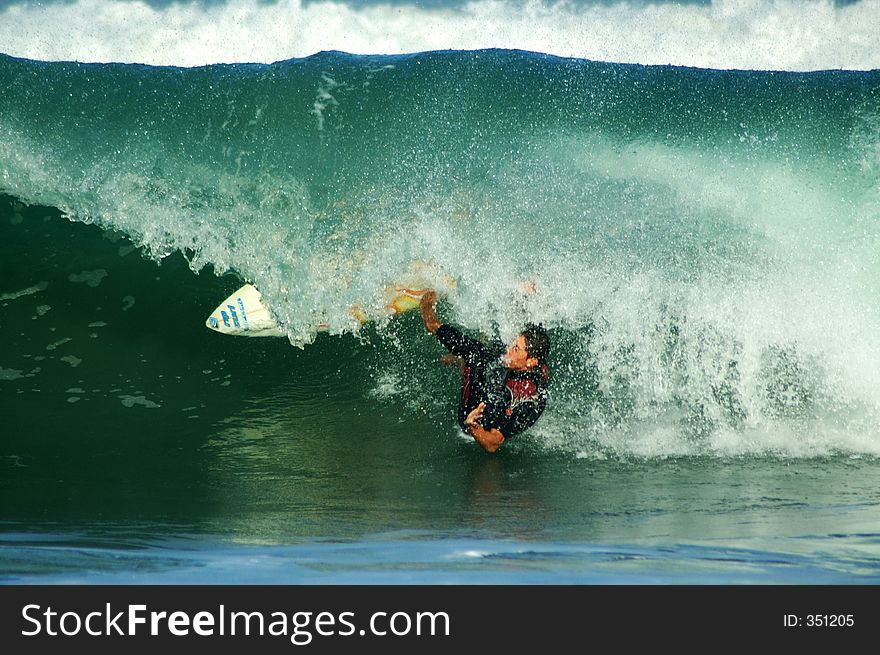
[(727, 34)]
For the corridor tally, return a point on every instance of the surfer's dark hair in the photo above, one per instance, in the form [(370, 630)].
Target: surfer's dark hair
[(537, 342)]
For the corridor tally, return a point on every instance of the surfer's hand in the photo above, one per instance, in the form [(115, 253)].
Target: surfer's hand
[(426, 308), (475, 415)]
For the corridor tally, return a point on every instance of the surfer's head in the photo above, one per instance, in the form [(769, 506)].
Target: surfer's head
[(530, 349)]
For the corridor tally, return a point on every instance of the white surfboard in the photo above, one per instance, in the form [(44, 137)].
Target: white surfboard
[(246, 314)]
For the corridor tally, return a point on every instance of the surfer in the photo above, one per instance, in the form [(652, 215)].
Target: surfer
[(504, 389)]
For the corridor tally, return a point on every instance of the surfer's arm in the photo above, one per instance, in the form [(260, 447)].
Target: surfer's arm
[(490, 439), (456, 342), (452, 338)]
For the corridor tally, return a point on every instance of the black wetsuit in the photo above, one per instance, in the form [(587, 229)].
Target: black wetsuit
[(514, 399)]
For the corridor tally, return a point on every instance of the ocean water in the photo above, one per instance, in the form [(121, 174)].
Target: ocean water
[(703, 241)]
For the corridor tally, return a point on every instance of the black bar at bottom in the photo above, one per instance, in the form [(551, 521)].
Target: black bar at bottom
[(423, 618)]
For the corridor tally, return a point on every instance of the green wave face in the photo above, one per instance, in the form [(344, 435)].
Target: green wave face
[(703, 242)]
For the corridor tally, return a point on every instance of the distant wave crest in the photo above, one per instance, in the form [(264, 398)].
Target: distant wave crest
[(726, 34)]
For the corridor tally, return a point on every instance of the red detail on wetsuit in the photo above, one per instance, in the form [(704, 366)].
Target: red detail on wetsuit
[(521, 390), (466, 387)]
